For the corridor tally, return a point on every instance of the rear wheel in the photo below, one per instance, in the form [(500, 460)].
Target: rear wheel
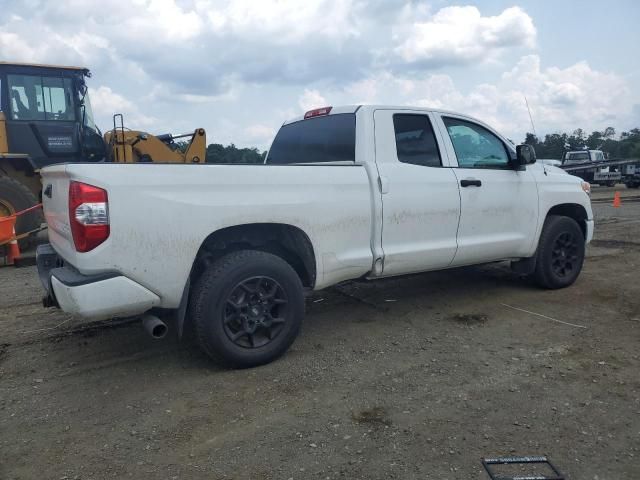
[(14, 197), (247, 308), (560, 252)]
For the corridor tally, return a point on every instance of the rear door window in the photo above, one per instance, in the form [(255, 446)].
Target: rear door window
[(331, 138), (415, 140)]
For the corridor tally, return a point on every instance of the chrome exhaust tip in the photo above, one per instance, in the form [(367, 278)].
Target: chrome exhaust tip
[(154, 326)]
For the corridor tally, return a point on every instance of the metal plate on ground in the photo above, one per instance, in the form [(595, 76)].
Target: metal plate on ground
[(533, 467)]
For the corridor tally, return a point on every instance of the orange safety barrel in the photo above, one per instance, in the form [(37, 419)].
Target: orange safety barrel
[(7, 226)]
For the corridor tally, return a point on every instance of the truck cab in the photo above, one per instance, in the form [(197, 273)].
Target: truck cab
[(575, 157), (47, 114)]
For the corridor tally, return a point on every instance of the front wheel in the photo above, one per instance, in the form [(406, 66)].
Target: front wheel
[(247, 308), (560, 254)]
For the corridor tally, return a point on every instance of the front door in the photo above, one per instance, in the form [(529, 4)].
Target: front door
[(499, 205)]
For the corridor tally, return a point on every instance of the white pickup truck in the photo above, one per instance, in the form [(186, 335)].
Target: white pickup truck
[(345, 193)]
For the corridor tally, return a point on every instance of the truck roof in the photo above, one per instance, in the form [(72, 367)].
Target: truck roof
[(44, 65), (354, 108)]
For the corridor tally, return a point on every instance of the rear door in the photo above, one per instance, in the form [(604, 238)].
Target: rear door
[(499, 205), (420, 199)]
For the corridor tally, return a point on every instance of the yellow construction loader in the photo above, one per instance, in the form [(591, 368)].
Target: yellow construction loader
[(46, 118)]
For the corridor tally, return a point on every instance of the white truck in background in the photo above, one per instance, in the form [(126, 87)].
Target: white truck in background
[(594, 167), (345, 192), (575, 157)]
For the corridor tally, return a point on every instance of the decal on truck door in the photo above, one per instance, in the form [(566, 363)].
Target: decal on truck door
[(59, 142)]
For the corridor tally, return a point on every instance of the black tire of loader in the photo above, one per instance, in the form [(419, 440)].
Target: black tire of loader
[(15, 197)]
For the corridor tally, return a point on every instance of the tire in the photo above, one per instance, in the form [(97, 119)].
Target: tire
[(247, 291), (560, 253), (14, 197)]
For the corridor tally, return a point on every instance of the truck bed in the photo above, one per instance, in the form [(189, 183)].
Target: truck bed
[(160, 214)]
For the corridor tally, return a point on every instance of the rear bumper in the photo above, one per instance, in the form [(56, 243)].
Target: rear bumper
[(94, 297)]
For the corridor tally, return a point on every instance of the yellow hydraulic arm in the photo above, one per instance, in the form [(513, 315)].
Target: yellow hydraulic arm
[(130, 146)]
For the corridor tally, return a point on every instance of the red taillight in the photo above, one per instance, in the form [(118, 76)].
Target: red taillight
[(317, 112), (88, 215)]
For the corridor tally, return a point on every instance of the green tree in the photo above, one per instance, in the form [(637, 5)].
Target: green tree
[(217, 153)]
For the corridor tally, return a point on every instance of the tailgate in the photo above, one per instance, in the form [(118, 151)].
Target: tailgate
[(55, 203)]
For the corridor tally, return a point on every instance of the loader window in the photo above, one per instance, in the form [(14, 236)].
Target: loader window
[(41, 98), (88, 113)]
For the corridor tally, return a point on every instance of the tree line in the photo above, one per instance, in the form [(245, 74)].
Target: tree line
[(627, 145), (217, 153)]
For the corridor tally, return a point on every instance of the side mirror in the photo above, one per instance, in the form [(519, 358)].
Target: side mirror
[(525, 155)]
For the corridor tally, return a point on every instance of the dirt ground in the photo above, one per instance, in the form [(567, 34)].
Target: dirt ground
[(408, 378)]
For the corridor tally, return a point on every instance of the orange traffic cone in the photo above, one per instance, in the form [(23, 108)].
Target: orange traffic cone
[(616, 200), (13, 251)]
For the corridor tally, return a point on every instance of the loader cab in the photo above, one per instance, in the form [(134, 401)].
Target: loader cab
[(47, 114)]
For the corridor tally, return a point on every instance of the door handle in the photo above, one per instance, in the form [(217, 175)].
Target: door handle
[(383, 184), (470, 182)]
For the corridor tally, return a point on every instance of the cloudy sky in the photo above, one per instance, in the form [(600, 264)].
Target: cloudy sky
[(239, 68)]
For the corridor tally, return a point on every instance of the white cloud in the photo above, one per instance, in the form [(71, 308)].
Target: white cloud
[(561, 99), (566, 98), (462, 35), (166, 18), (12, 46), (238, 67), (311, 99), (260, 134), (105, 103), (284, 20)]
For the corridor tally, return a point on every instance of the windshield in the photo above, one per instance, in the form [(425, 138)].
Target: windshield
[(89, 121), (578, 157), (34, 97)]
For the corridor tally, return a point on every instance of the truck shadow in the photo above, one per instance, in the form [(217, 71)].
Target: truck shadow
[(123, 343)]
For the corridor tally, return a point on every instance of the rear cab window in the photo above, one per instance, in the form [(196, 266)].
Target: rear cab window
[(323, 139)]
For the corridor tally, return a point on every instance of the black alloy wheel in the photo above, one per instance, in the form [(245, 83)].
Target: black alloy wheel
[(256, 312), (564, 255)]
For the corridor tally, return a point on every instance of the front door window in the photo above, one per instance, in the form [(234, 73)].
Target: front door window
[(475, 146)]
